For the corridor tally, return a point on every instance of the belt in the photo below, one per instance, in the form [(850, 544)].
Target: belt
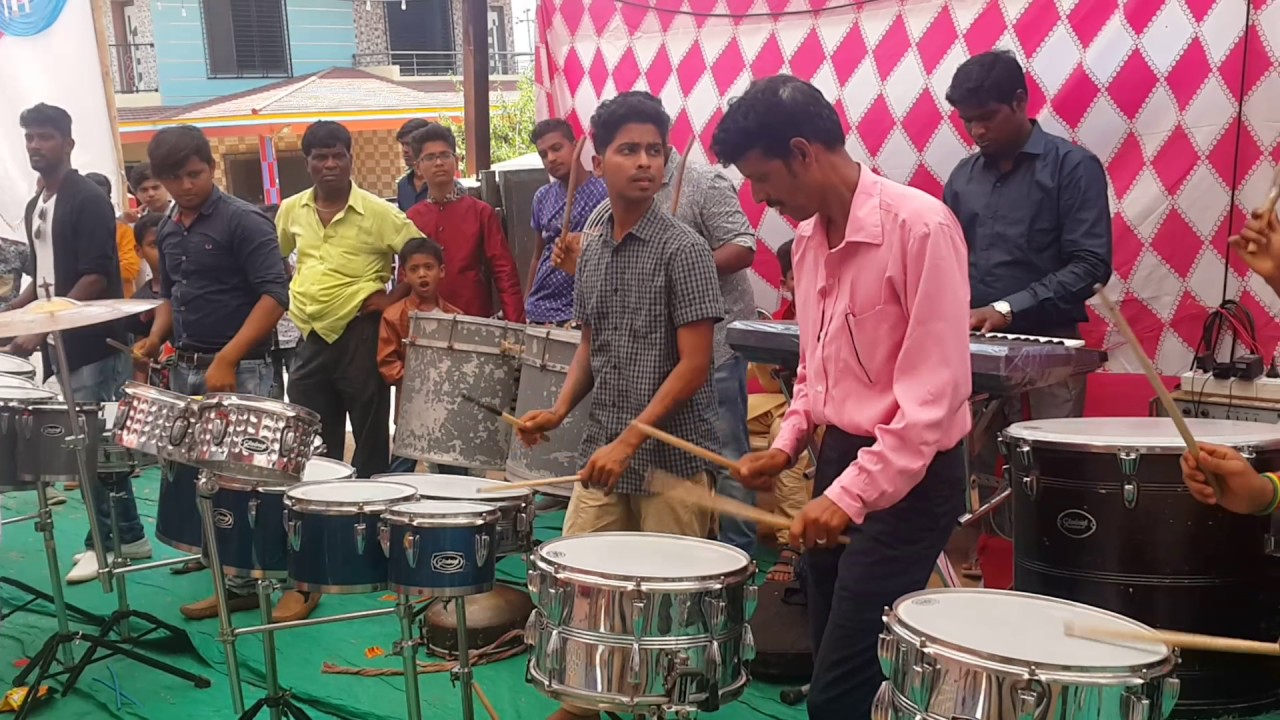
[(202, 360)]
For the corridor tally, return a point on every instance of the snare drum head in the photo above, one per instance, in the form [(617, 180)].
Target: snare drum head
[(15, 381), (349, 492), (435, 508), (647, 556), (1142, 432), (456, 487), (321, 469), (1023, 628), (14, 365)]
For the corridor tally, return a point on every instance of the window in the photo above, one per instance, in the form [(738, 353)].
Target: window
[(246, 38), (420, 38)]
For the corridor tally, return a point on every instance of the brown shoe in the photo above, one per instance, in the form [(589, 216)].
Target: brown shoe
[(208, 608), (294, 605)]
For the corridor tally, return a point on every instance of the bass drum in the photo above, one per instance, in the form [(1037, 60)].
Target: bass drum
[(1101, 517)]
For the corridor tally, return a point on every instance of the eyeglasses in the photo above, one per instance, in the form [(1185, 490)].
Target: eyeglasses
[(443, 157)]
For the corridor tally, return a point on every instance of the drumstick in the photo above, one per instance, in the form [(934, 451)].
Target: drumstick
[(679, 179), (698, 494), (505, 417), (1269, 206), (685, 445), (575, 173), (125, 349), (1153, 377), (543, 482), (488, 706), (1189, 641)]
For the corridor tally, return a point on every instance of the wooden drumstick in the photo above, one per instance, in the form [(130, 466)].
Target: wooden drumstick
[(699, 494), (1189, 641), (497, 412), (484, 700), (679, 179), (685, 445), (575, 175), (1157, 385), (1269, 206), (542, 482)]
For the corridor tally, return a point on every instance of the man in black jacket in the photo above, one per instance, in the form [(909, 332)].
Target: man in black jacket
[(71, 230)]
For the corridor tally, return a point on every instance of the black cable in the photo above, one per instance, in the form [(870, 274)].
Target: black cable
[(1240, 131)]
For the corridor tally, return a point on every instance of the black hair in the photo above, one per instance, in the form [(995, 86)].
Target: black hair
[(642, 95), (626, 109), (770, 114), (146, 224), (551, 126), (100, 180), (421, 246), (433, 132), (140, 174), (409, 128), (992, 78), (174, 146), (325, 134), (784, 256), (47, 117)]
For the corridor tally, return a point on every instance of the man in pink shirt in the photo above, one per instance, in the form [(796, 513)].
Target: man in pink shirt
[(883, 305)]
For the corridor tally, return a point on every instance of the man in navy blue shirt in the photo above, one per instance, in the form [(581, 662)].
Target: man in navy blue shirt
[(412, 188), (550, 299)]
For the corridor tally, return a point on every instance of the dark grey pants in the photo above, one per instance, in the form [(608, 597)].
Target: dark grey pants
[(339, 379), (889, 555)]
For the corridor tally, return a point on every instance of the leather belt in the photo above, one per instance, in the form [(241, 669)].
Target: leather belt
[(202, 360)]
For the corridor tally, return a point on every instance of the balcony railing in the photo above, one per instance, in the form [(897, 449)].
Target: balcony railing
[(133, 68), (435, 63)]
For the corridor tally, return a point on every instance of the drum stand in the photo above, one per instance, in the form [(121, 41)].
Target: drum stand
[(36, 595)]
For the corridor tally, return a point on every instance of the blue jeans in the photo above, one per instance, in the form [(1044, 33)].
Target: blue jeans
[(402, 464), (253, 377), (100, 382), (730, 380)]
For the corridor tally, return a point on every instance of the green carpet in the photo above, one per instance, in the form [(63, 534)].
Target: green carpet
[(300, 655)]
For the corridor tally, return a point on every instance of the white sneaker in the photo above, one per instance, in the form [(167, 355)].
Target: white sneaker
[(86, 567), (53, 497)]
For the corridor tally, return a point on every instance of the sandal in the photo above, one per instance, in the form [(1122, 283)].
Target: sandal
[(189, 567), (971, 570), (784, 571)]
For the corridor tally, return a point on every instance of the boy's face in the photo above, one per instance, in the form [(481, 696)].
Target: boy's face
[(148, 251), (192, 185), (437, 163), (424, 273), (633, 165), (153, 196), (789, 282), (556, 152)]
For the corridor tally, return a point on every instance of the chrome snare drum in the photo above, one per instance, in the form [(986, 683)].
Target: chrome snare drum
[(253, 437), (545, 361), (43, 448), (446, 357), (13, 404), (333, 534), (994, 655), (515, 505), (639, 623), (439, 548), (154, 421)]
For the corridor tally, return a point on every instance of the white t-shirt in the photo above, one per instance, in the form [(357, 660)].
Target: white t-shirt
[(42, 241)]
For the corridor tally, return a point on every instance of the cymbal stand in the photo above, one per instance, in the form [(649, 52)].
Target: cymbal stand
[(206, 487), (461, 674), (36, 594), (277, 702), (408, 649)]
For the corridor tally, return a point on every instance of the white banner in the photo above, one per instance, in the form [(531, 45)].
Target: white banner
[(49, 53)]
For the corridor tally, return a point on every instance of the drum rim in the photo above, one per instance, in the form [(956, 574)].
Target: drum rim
[(518, 493), (241, 483), (41, 395), (304, 504), (61, 407), (20, 379), (904, 632), (215, 400), (538, 558), (25, 362), (1107, 445), (464, 319), (151, 392), (396, 516)]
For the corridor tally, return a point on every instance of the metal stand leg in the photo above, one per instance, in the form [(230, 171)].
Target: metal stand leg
[(462, 673), (409, 652), (206, 486), (277, 702)]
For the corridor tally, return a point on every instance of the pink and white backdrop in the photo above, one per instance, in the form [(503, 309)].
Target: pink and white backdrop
[(1180, 99)]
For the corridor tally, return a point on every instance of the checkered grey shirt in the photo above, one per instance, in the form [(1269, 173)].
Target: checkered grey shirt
[(633, 295)]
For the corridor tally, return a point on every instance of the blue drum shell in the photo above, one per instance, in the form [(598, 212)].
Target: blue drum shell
[(251, 541), (445, 564), (177, 512), (332, 554)]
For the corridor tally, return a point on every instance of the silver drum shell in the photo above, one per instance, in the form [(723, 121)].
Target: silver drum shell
[(931, 678), (447, 356), (544, 362), (155, 421), (254, 438), (515, 514)]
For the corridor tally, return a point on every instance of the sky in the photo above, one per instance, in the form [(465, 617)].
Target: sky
[(522, 11)]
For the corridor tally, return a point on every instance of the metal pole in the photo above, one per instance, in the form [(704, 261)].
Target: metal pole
[(464, 661), (45, 526), (206, 486), (265, 588), (122, 592), (409, 652), (293, 624)]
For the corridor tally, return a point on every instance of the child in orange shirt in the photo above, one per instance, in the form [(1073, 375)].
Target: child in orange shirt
[(422, 266)]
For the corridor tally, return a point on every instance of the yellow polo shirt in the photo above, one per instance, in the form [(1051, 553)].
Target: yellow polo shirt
[(340, 265)]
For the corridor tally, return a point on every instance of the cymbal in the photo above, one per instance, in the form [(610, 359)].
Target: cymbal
[(59, 313)]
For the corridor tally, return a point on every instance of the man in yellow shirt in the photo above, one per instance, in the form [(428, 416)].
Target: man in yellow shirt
[(346, 239), (130, 264)]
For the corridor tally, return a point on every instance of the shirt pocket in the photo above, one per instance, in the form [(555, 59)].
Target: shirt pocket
[(876, 337)]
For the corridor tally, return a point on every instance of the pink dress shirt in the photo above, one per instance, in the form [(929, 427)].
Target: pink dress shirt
[(884, 340)]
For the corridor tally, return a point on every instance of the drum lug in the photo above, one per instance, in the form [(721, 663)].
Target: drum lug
[(748, 644), (882, 706), (218, 435), (25, 422), (295, 534), (713, 610), (253, 513), (554, 652), (887, 650), (1029, 484), (533, 578), (712, 674), (1002, 445), (634, 664), (638, 607), (1030, 699), (1248, 452), (1170, 689), (1128, 460), (178, 432), (1134, 707), (684, 610), (751, 598), (384, 538), (921, 677), (1024, 453), (531, 629), (287, 440), (411, 549), (555, 604), (359, 530), (1130, 490)]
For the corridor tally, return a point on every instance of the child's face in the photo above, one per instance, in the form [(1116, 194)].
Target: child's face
[(424, 273), (148, 251), (788, 283)]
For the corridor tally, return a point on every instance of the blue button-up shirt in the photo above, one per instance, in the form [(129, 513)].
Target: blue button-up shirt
[(1039, 235), (215, 270), (550, 300), (407, 195)]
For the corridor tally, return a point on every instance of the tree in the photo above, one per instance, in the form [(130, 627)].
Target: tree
[(511, 122)]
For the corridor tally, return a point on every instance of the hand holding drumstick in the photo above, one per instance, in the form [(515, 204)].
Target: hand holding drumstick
[(1243, 490), (1259, 241)]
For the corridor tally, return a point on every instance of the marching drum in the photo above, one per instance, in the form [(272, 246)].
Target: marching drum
[(14, 366), (515, 505), (177, 514), (43, 449), (446, 357), (253, 437), (154, 421), (1101, 516), (13, 404), (639, 623), (993, 655), (248, 517), (439, 548), (545, 363), (332, 530)]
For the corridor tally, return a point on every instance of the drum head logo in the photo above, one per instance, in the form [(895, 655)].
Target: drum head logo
[(1077, 524), (52, 431), (448, 562), (223, 519), (925, 601), (255, 445)]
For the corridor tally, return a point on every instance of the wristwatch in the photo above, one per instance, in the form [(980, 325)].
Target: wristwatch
[(1004, 309)]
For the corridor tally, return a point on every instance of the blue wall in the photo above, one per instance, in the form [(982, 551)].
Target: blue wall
[(321, 35)]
